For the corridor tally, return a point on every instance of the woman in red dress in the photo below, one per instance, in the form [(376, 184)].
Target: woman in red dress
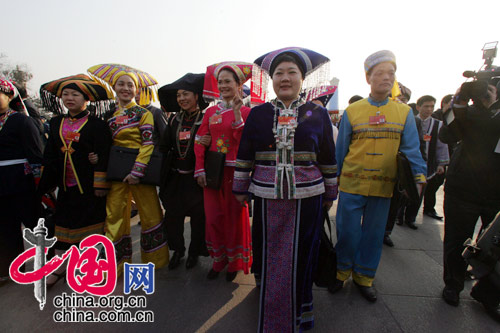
[(228, 234)]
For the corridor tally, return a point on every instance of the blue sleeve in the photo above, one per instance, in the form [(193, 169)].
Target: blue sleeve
[(326, 158), (410, 146), (343, 141)]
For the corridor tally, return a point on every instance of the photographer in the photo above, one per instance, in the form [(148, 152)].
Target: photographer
[(473, 183)]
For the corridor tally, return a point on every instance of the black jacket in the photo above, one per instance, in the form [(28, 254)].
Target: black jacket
[(474, 170), (19, 139), (95, 137), (169, 143)]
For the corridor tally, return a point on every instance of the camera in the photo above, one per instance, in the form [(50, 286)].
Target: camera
[(478, 88)]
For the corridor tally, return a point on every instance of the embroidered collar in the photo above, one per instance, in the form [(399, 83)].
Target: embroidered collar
[(224, 106), (128, 106), (190, 116), (295, 104), (378, 104)]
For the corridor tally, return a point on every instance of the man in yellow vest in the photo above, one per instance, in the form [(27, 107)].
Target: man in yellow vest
[(371, 133)]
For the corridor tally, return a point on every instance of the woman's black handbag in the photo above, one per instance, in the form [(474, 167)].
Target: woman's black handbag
[(214, 168), (326, 272), (121, 162)]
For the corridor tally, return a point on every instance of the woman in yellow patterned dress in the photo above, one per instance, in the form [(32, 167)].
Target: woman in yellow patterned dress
[(132, 127)]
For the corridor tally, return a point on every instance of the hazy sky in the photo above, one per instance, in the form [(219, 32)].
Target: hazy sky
[(434, 41)]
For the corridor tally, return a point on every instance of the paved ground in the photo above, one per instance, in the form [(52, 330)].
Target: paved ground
[(408, 280)]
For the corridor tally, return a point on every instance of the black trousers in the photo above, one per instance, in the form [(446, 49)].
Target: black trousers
[(432, 187), (408, 210), (184, 197), (461, 216), (397, 198)]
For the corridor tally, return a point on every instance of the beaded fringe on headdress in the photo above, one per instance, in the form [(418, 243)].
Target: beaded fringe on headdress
[(55, 105), (311, 86)]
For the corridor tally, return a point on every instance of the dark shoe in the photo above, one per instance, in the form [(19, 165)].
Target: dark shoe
[(388, 241), (412, 225), (230, 276), (399, 222), (370, 293), (493, 311), (175, 261), (58, 276), (191, 261), (451, 296), (212, 275), (335, 286), (434, 215)]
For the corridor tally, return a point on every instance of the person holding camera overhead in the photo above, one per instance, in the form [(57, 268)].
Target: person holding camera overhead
[(472, 187), (227, 224), (132, 127)]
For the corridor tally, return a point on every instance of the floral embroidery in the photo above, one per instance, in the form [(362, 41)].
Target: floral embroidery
[(147, 134), (27, 168), (247, 70), (154, 238), (139, 169), (365, 177), (222, 144), (134, 115), (123, 249)]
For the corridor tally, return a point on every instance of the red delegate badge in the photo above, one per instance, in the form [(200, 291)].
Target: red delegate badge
[(73, 136), (427, 138), (184, 135), (216, 119), (121, 120), (286, 120), (377, 120)]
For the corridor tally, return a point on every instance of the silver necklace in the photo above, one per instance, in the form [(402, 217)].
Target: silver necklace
[(191, 137)]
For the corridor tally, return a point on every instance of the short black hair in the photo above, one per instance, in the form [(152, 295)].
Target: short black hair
[(355, 98), (424, 99), (446, 99), (287, 57)]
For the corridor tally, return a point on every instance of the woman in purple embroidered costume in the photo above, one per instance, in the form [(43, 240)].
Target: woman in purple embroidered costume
[(20, 160), (288, 147), (81, 199)]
